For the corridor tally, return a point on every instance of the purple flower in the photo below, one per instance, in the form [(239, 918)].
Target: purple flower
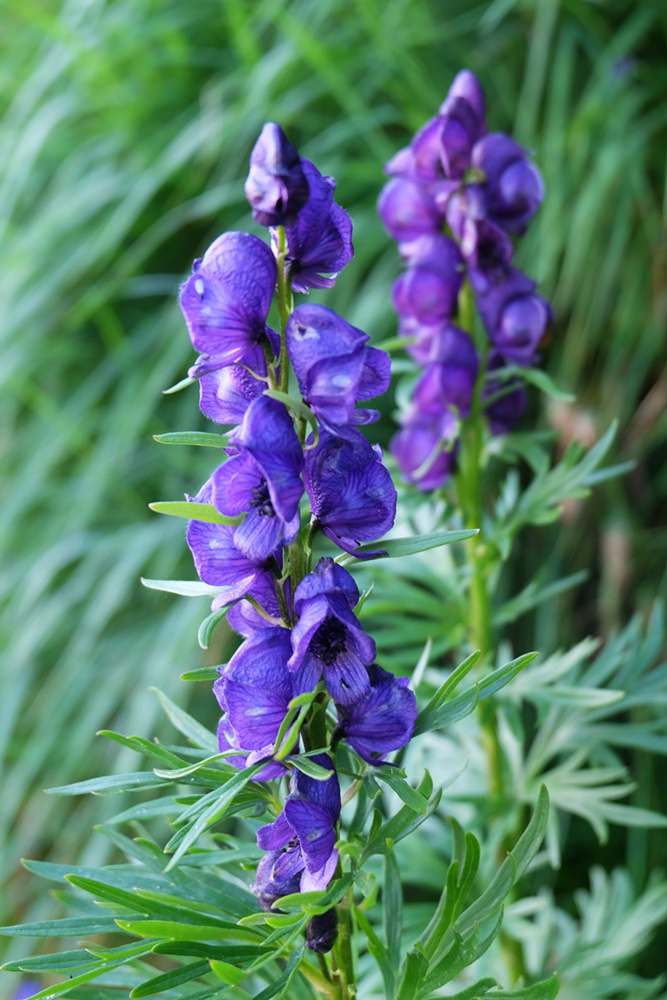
[(254, 691), (327, 639), (321, 932), (319, 242), (408, 210), (513, 184), (276, 186), (334, 367), (444, 384), (351, 493), (219, 562), (383, 720), (465, 86), (516, 318), (226, 393), (424, 448), (228, 296), (262, 478), (301, 841), (488, 252), (428, 290), (505, 411)]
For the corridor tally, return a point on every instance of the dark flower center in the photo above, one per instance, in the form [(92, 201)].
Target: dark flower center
[(261, 501), (329, 640)]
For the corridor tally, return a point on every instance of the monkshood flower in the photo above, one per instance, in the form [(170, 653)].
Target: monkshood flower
[(334, 366), (276, 186), (227, 298), (425, 447), (254, 690), (262, 479), (351, 493), (428, 290), (327, 640), (456, 197), (220, 562), (321, 932), (319, 241), (383, 720), (301, 842)]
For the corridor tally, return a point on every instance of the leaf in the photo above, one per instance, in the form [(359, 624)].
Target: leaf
[(183, 384), (189, 727), (392, 905), (177, 931), (309, 767), (192, 511), (405, 791), (395, 548), (66, 927), (64, 961), (279, 986), (201, 674), (209, 625), (537, 377), (167, 980), (202, 439), (109, 784), (546, 989), (182, 772), (183, 588)]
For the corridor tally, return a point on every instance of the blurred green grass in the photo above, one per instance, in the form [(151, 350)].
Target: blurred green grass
[(125, 129)]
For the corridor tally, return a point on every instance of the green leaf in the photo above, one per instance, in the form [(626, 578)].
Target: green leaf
[(405, 791), (279, 987), (392, 905), (189, 727), (209, 625), (202, 439), (67, 927), (412, 974), (183, 772), (547, 989), (183, 588), (183, 384), (192, 511), (177, 931), (215, 811), (201, 674), (167, 980), (537, 377), (309, 767), (64, 961), (395, 548), (109, 784)]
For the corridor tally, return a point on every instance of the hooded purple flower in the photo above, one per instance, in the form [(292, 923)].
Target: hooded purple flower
[(301, 841), (276, 186), (219, 562), (505, 411), (327, 639), (334, 367), (254, 691), (516, 318), (488, 252), (462, 123), (351, 493), (425, 447), (513, 185), (407, 210), (383, 720), (227, 298), (262, 478), (319, 242), (428, 290)]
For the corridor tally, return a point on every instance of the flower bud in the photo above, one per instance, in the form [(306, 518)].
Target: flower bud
[(276, 186)]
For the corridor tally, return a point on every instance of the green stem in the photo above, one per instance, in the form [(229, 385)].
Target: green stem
[(471, 500), (284, 306)]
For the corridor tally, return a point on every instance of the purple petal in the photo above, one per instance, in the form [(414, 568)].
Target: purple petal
[(424, 449), (225, 395), (276, 186), (327, 578), (226, 300), (375, 375), (407, 210), (267, 433), (315, 333), (276, 835), (235, 484), (382, 721), (320, 241), (313, 827)]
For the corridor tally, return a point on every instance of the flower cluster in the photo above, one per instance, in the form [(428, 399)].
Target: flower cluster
[(295, 465), (456, 197)]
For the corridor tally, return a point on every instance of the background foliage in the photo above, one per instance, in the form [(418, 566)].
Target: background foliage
[(125, 133)]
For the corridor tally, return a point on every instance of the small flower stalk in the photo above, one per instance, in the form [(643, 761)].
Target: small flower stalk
[(296, 466), (458, 198)]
